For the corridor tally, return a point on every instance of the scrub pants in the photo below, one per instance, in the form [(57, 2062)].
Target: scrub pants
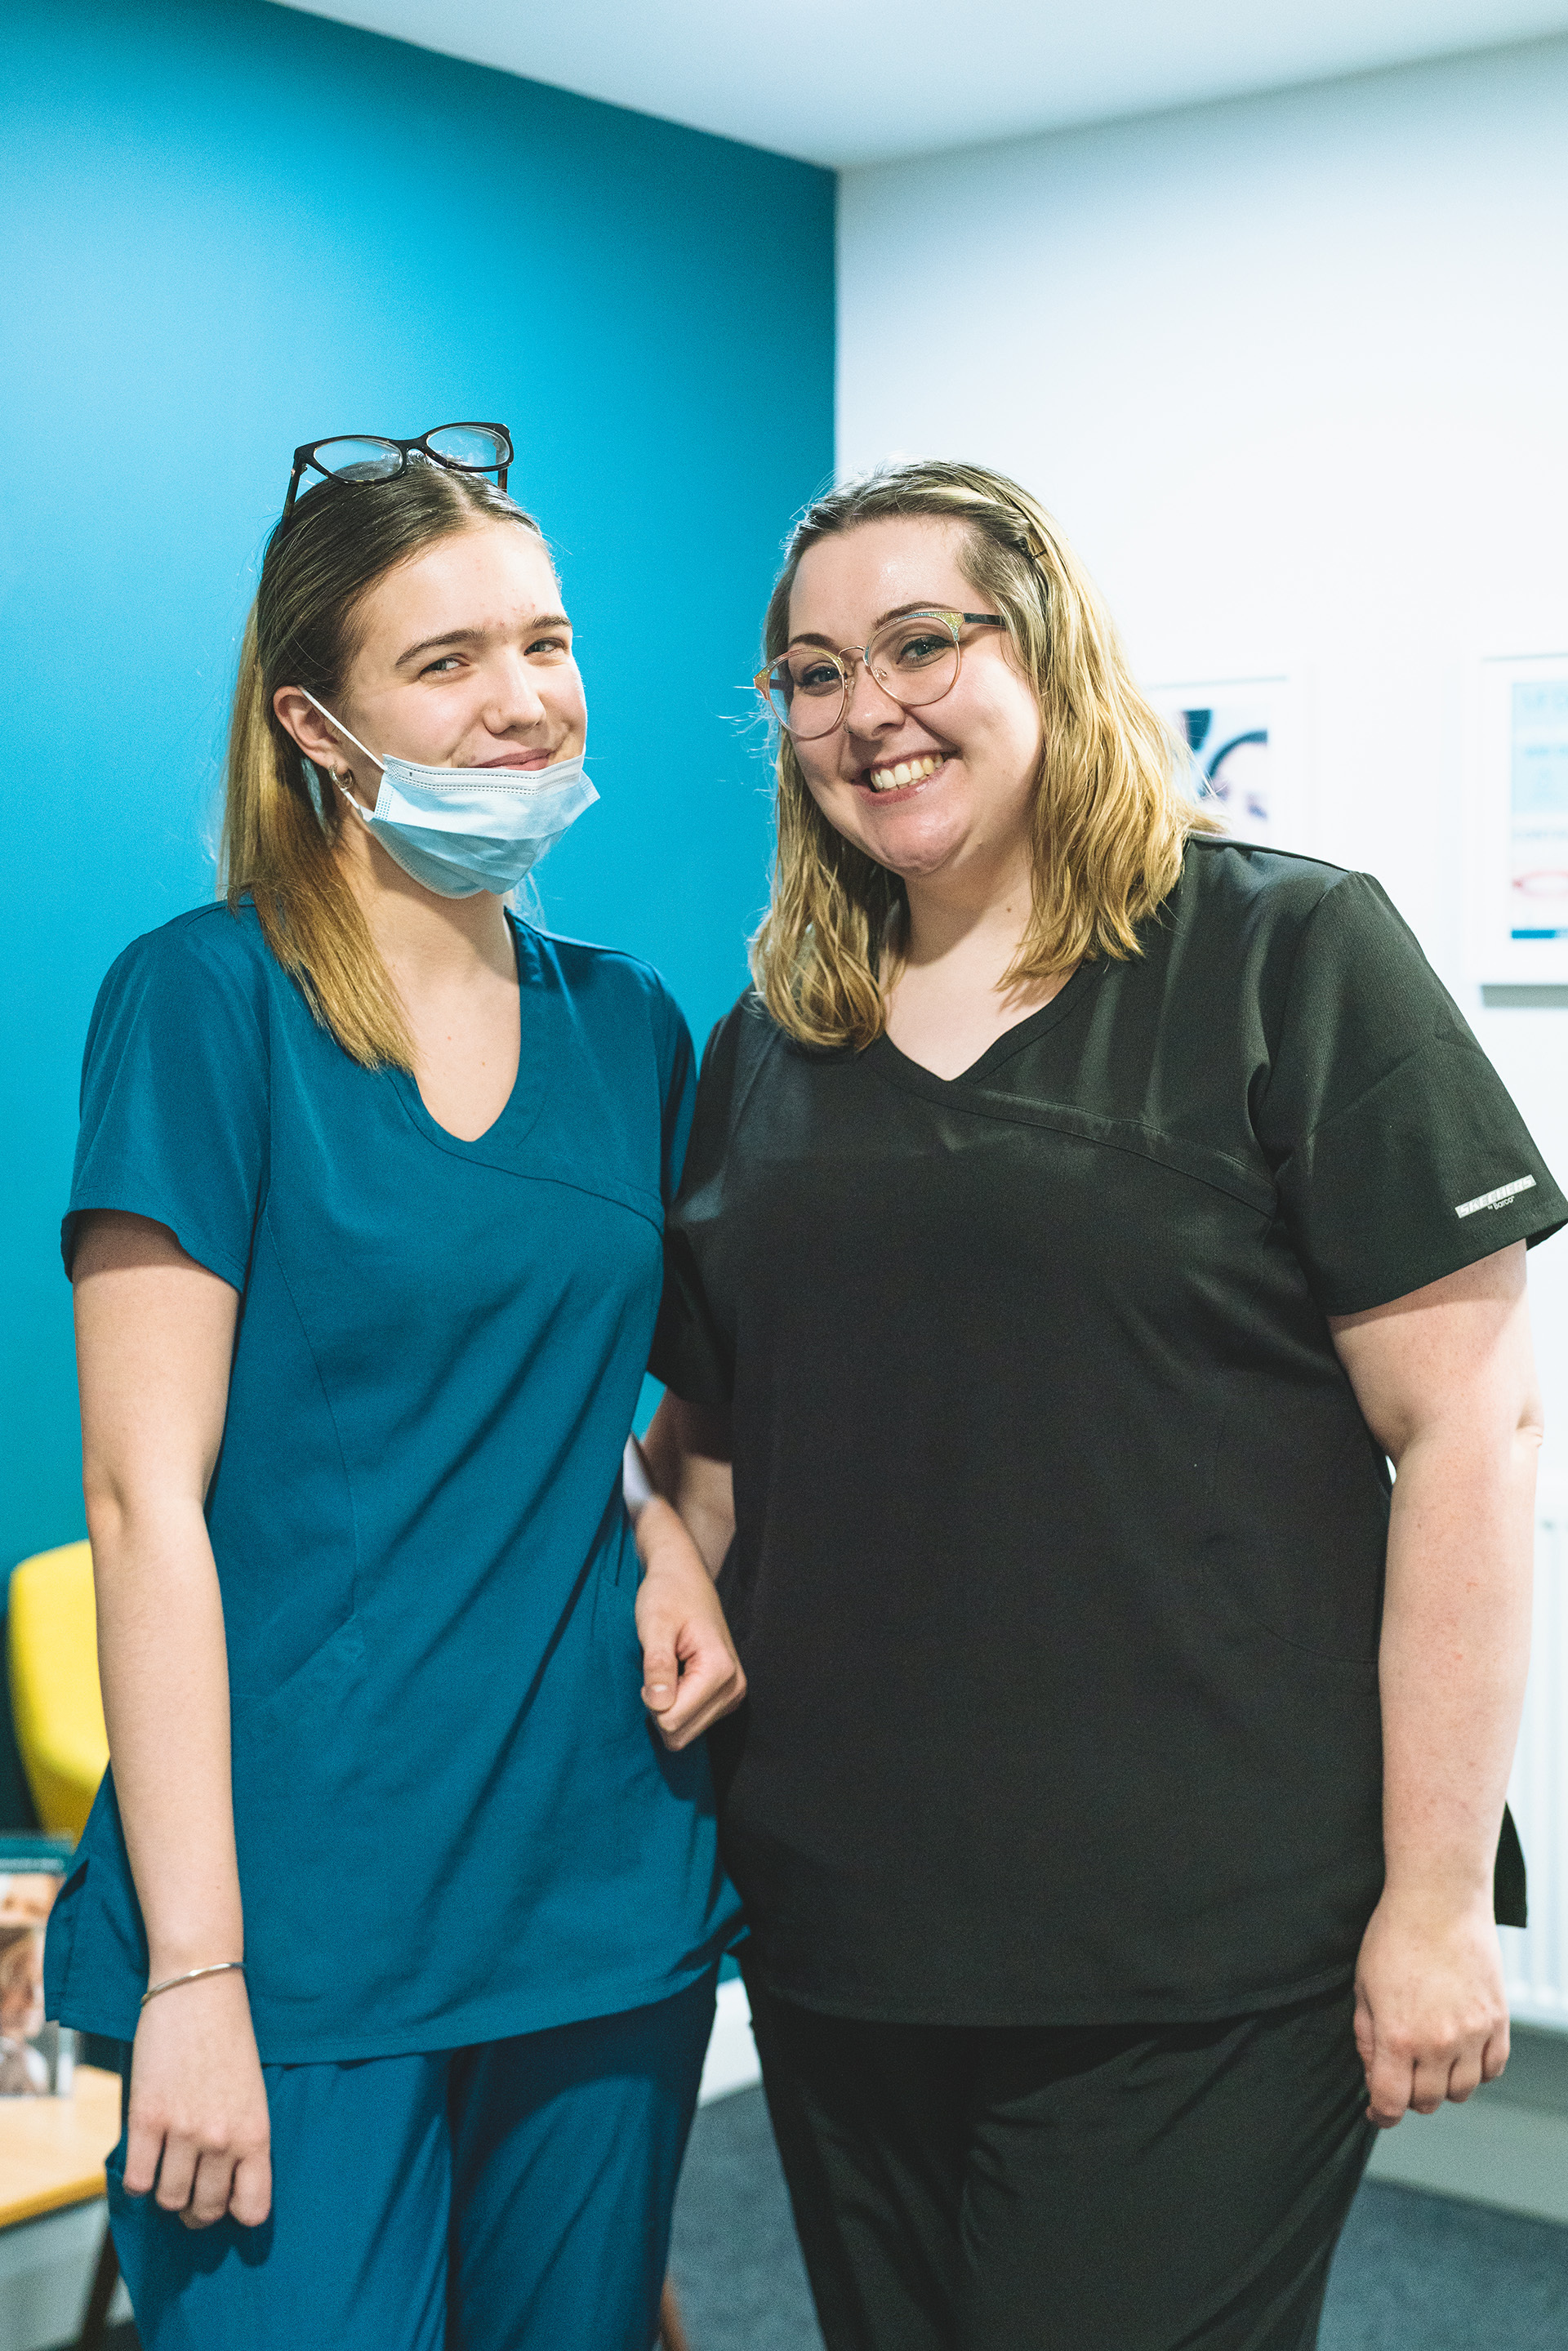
[(1112, 2187), (517, 2194)]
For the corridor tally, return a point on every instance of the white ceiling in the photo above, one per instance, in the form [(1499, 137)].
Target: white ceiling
[(863, 82)]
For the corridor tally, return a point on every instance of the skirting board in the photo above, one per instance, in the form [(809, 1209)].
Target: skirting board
[(1487, 2151)]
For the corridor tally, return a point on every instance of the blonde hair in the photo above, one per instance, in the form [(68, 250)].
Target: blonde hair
[(281, 822), (1110, 817)]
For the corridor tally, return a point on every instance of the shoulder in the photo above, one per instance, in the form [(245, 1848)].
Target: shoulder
[(203, 956), (742, 1040), (1264, 918), (746, 1042), (585, 971), (615, 994), (1230, 881)]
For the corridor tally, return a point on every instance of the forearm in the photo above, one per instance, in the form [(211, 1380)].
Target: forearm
[(164, 1671), (688, 1450), (1454, 1653), (691, 1674)]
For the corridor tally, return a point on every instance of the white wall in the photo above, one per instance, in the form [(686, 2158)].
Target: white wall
[(1293, 373)]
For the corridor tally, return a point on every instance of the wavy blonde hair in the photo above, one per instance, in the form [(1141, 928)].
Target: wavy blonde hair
[(280, 825), (1111, 816)]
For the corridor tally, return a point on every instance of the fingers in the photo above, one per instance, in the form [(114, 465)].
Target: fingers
[(206, 2185), (199, 2130), (1465, 2076), (660, 1668), (1430, 2074), (1406, 2077), (210, 2189), (690, 1674), (176, 2173), (705, 1699), (1389, 2083), (709, 1683), (143, 2146), (1431, 2015), (250, 2198)]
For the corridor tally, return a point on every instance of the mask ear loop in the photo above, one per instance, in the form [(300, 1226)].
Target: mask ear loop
[(338, 723), (354, 739)]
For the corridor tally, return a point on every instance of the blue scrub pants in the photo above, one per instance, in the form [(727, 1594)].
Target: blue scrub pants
[(513, 2194)]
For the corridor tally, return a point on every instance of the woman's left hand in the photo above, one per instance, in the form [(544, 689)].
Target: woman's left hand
[(1431, 2018), (691, 1674)]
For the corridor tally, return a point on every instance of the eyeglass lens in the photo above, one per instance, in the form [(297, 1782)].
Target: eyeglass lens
[(473, 445), (358, 460), (915, 660)]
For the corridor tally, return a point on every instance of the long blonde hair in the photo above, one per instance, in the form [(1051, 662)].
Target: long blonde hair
[(280, 825), (1111, 818)]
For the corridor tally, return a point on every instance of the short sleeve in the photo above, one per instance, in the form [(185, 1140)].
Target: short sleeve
[(1397, 1151), (690, 1354), (677, 1093), (174, 1094)]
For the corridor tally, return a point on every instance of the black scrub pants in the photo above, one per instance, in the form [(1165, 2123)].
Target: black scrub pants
[(1106, 2188)]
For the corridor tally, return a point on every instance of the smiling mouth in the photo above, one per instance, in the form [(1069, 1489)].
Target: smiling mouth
[(904, 771)]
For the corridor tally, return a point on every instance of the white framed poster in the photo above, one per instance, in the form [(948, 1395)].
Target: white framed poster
[(1243, 737), (1519, 868)]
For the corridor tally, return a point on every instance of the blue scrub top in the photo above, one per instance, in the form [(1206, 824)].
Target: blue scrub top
[(454, 1820)]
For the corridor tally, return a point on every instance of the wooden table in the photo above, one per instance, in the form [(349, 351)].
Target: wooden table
[(52, 2149)]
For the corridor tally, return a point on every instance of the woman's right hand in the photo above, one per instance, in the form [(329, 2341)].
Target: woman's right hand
[(199, 2136)]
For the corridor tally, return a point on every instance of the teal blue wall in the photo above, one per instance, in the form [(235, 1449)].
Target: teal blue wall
[(230, 228)]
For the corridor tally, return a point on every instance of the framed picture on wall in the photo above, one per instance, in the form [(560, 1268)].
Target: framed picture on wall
[(1518, 803), (1244, 739)]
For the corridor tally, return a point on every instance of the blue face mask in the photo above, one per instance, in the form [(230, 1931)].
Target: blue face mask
[(459, 831)]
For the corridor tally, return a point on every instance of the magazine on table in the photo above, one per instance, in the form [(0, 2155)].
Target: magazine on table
[(37, 2060)]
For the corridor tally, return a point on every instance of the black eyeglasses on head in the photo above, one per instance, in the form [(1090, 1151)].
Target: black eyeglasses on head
[(371, 457)]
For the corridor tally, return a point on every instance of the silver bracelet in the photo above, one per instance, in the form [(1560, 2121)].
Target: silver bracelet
[(192, 1975)]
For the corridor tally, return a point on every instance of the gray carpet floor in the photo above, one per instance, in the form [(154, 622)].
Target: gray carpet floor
[(1413, 2273)]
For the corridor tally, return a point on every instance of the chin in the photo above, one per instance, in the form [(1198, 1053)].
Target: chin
[(913, 843)]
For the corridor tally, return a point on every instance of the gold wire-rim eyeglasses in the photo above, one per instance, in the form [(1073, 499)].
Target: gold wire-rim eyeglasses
[(765, 678)]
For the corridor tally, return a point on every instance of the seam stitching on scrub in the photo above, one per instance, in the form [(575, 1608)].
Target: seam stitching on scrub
[(1349, 875), (332, 1417), (1262, 1199), (652, 1212)]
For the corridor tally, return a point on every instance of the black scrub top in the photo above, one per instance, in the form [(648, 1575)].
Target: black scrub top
[(1060, 1536)]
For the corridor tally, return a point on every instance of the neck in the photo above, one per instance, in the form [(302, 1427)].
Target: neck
[(422, 939), (973, 917)]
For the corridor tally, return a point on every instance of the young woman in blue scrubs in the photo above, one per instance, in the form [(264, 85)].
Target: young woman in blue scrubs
[(404, 1880)]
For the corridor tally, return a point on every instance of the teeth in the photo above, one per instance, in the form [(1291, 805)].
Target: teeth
[(907, 771)]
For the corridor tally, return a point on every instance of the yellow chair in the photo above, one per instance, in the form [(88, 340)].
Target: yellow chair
[(56, 1703)]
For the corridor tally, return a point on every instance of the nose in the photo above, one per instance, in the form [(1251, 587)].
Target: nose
[(869, 706), (516, 699)]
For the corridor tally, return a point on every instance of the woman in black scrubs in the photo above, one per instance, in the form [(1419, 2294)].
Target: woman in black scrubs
[(1079, 1217)]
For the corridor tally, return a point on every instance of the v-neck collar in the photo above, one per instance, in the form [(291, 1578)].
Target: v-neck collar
[(497, 1146), (916, 1078)]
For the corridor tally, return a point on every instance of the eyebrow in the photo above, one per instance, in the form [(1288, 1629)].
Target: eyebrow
[(477, 636), (921, 604)]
